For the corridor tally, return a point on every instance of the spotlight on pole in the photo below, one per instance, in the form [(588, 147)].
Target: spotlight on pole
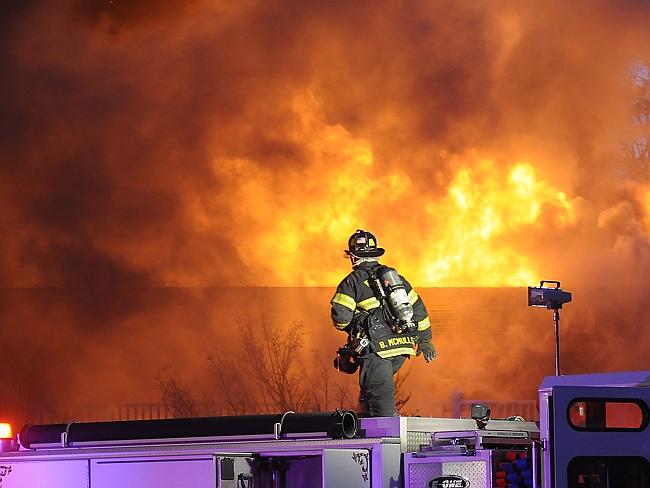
[(551, 298)]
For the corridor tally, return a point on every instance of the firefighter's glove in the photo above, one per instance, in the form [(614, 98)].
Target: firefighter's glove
[(427, 350)]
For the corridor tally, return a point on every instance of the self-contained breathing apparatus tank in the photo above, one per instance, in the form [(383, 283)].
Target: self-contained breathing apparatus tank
[(390, 287), (389, 290)]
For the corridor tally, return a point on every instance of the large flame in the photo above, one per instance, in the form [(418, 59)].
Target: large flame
[(298, 219), (191, 144), (469, 236), (485, 207)]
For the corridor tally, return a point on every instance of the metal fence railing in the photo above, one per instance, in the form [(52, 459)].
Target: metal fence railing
[(102, 413)]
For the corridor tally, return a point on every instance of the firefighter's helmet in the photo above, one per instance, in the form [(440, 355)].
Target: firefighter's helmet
[(363, 244)]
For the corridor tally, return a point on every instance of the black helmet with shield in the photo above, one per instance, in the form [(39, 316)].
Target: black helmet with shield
[(363, 244)]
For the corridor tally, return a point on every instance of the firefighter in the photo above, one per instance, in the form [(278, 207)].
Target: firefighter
[(359, 309)]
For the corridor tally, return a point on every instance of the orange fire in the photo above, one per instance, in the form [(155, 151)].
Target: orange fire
[(467, 232), (199, 144), (243, 145), (486, 205)]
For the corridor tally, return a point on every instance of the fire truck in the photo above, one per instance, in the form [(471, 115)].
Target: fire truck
[(592, 433)]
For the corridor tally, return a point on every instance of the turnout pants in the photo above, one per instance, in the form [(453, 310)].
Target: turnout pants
[(377, 396)]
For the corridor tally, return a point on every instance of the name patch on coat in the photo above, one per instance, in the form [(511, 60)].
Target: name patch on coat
[(398, 341), (394, 345)]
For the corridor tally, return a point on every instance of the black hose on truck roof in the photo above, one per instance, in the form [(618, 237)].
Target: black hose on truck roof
[(339, 424)]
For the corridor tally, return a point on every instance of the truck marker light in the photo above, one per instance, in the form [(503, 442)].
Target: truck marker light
[(7, 441)]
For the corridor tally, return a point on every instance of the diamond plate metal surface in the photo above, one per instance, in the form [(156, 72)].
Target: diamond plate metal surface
[(475, 472), (416, 439), (421, 474)]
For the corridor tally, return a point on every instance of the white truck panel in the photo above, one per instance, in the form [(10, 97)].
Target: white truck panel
[(346, 467)]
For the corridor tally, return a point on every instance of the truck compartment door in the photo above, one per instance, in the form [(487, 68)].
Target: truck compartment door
[(600, 437), (346, 467)]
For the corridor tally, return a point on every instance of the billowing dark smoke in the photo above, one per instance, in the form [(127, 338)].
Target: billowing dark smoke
[(191, 144), (152, 143)]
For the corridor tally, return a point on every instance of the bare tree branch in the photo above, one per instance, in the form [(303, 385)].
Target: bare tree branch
[(177, 399), (265, 370)]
